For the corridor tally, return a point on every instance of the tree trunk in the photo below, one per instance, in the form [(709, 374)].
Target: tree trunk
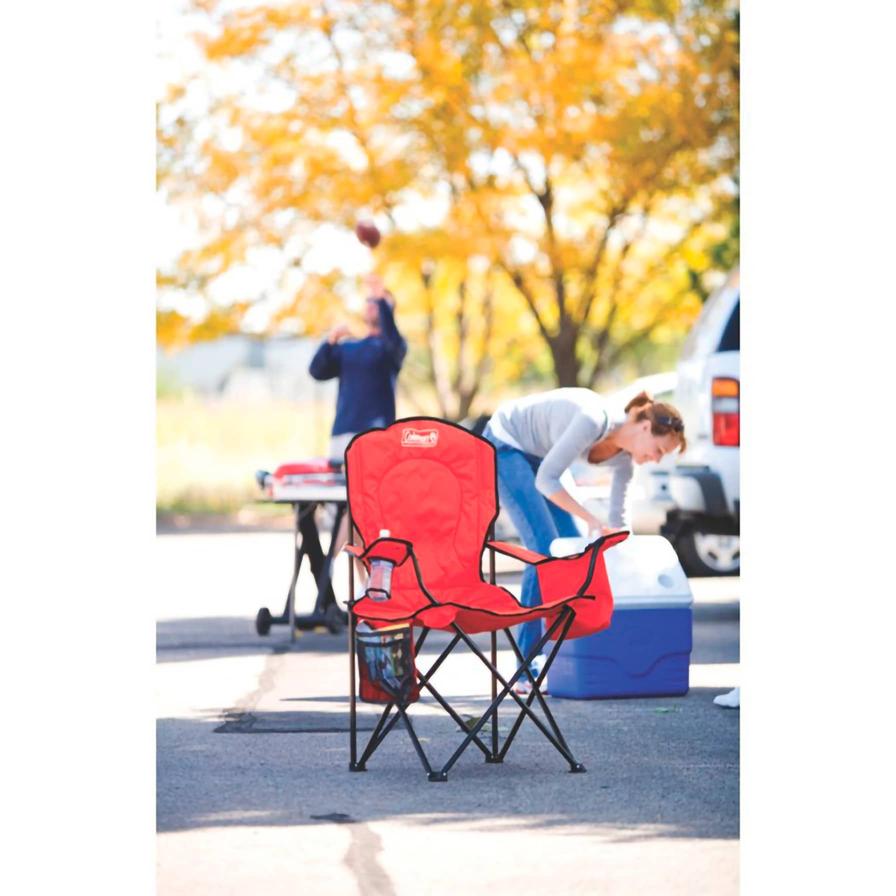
[(563, 350), (464, 403)]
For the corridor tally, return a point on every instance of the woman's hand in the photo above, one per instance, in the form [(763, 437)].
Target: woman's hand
[(609, 530), (337, 333), (375, 287), (596, 527)]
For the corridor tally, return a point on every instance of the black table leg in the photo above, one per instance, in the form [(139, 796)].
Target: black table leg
[(326, 595), (326, 610), (306, 541), (264, 620), (298, 543)]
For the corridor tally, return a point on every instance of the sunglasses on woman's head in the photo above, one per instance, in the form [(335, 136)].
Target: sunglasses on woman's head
[(672, 422)]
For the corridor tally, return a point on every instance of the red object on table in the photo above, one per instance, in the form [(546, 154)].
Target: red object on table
[(314, 471), (295, 468)]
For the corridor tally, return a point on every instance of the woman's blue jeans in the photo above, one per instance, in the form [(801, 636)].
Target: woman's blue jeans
[(538, 521)]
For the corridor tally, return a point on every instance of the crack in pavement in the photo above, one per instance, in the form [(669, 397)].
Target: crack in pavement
[(365, 846), (361, 860), (245, 705)]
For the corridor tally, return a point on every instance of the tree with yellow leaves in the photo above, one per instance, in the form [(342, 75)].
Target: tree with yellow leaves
[(559, 168)]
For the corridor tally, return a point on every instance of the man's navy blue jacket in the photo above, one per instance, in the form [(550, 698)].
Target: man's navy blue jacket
[(367, 369)]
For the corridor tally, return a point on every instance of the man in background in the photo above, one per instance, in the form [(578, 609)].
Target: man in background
[(367, 369)]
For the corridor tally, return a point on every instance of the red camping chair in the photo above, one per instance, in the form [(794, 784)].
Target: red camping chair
[(433, 485)]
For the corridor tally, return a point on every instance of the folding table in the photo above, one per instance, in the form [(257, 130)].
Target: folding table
[(305, 499)]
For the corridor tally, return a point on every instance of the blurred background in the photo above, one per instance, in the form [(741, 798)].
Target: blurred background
[(556, 184)]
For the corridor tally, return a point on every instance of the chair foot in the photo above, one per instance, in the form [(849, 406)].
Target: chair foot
[(438, 776), (577, 769), (356, 767), (493, 760)]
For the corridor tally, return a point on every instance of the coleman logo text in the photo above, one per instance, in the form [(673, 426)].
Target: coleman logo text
[(419, 438)]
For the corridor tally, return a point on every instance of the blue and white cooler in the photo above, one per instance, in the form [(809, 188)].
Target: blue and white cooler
[(646, 651)]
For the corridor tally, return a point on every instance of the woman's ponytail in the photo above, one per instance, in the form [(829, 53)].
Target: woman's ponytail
[(640, 399)]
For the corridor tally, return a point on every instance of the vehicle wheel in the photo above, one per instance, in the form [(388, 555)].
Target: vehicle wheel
[(263, 621), (708, 553)]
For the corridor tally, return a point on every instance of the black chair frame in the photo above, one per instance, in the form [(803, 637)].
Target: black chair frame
[(495, 752)]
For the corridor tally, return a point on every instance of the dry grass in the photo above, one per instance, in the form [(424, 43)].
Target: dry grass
[(207, 451)]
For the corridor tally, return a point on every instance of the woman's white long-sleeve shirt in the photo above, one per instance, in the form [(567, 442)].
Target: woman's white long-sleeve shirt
[(561, 426)]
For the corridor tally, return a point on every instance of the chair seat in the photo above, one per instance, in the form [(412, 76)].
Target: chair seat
[(478, 607)]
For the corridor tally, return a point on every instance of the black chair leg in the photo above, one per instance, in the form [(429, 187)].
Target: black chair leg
[(414, 739), (494, 757), (507, 689), (496, 752), (377, 737), (536, 694)]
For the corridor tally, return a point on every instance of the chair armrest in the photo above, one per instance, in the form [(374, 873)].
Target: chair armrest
[(398, 551), (513, 550), (573, 575), (394, 549)]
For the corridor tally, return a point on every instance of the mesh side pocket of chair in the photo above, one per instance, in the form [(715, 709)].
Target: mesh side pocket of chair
[(386, 665)]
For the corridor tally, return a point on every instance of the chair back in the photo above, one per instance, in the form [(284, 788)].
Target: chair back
[(429, 482)]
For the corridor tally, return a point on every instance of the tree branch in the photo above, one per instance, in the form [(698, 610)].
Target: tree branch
[(436, 377), (355, 129), (520, 284), (588, 290), (461, 338), (621, 348), (408, 393), (521, 33), (600, 343), (484, 358)]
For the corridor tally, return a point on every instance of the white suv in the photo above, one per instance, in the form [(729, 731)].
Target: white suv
[(704, 523)]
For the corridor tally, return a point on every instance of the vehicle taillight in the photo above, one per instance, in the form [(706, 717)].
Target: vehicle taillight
[(725, 411)]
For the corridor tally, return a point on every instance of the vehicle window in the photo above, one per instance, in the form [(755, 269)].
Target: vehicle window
[(704, 336), (731, 337)]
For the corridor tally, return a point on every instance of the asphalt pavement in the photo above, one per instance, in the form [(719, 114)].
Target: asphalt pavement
[(254, 793)]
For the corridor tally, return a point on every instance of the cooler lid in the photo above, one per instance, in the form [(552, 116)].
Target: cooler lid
[(643, 570)]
